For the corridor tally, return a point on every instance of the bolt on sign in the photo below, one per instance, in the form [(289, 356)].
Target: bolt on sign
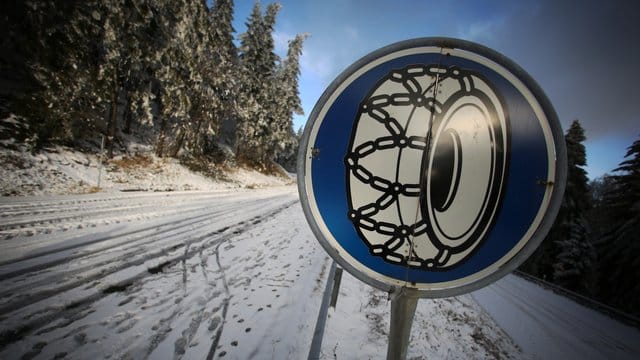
[(432, 164)]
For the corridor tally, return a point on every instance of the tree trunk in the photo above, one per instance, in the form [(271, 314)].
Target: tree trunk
[(163, 125), (178, 144), (113, 117), (198, 138), (127, 114), (161, 136)]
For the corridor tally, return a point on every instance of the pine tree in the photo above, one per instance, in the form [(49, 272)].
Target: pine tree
[(166, 71), (114, 64), (224, 69), (250, 52), (59, 46), (255, 129), (598, 217), (194, 46), (288, 92), (246, 139), (175, 76), (140, 39), (574, 264), (624, 196), (574, 259), (566, 256), (267, 66), (17, 47), (288, 104), (620, 246)]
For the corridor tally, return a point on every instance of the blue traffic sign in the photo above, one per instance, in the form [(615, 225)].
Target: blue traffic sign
[(435, 164)]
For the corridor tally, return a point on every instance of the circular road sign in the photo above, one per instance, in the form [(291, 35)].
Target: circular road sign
[(434, 164)]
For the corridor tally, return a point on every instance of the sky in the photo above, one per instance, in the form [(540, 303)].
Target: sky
[(583, 54)]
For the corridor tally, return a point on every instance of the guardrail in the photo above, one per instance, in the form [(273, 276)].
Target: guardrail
[(583, 300)]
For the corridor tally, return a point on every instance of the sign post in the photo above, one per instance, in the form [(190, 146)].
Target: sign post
[(100, 160), (403, 309), (431, 168)]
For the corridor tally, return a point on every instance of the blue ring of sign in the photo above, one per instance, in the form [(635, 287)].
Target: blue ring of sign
[(374, 118)]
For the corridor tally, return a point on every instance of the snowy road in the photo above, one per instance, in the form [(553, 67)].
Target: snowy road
[(199, 275), (235, 274), (549, 326)]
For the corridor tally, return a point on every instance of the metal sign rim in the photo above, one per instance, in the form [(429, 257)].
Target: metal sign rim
[(558, 181)]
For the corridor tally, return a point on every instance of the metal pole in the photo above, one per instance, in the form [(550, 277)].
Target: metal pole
[(100, 161), (318, 332), (403, 308), (336, 288)]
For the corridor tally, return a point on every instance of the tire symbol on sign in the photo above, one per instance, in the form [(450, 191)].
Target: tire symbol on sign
[(427, 165)]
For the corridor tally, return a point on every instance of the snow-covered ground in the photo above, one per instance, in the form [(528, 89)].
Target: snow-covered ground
[(450, 328), (159, 275), (235, 273), (549, 326), (60, 170), (219, 274)]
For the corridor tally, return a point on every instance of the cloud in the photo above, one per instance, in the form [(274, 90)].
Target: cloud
[(281, 42), (585, 57), (481, 30), (317, 65), (582, 53), (352, 33)]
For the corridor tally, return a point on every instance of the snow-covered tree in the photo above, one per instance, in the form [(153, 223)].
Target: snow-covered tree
[(598, 216), (167, 71), (566, 256), (622, 198), (288, 100), (251, 47), (140, 42), (181, 77), (59, 45), (574, 265), (289, 76), (254, 140), (574, 259), (224, 68), (620, 246), (199, 75)]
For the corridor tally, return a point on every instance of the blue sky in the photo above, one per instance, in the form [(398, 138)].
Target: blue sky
[(584, 54)]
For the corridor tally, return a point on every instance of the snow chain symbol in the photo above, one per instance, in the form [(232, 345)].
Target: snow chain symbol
[(452, 123)]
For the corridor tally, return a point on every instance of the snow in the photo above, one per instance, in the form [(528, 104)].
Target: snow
[(230, 271), (189, 278), (450, 328), (548, 326), (61, 170)]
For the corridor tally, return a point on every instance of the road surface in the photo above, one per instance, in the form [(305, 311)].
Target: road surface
[(549, 326), (234, 274), (159, 275)]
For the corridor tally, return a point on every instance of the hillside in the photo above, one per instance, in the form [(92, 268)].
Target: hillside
[(63, 170)]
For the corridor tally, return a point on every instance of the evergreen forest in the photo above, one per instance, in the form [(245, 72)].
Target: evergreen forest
[(167, 73), (593, 247)]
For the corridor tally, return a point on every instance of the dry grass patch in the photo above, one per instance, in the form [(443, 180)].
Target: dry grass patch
[(93, 190), (133, 162)]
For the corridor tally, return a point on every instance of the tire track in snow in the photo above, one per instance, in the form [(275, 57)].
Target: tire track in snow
[(140, 233), (13, 211), (98, 266), (121, 277), (39, 217), (15, 206), (225, 306)]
